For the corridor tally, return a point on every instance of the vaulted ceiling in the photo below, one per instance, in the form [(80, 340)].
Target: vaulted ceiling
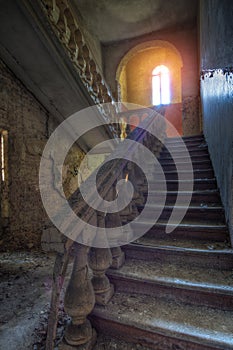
[(116, 20)]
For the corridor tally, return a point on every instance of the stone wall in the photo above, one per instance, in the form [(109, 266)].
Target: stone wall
[(217, 93), (29, 126)]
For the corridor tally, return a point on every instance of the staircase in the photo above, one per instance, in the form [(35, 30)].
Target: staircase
[(175, 291)]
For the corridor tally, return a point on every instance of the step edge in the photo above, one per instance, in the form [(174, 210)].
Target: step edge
[(170, 283), (167, 332), (228, 252)]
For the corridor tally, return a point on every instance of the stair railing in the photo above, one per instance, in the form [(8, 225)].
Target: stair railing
[(88, 283)]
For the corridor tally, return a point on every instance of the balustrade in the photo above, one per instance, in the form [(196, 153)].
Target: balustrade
[(69, 33), (89, 283)]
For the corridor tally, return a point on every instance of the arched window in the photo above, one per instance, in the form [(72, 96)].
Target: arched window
[(160, 86)]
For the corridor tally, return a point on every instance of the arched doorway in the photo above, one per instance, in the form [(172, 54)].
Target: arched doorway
[(153, 66)]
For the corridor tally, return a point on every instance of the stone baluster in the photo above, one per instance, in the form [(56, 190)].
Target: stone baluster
[(86, 55), (53, 10), (118, 257), (79, 302), (70, 27), (60, 23), (78, 39), (100, 259), (113, 220), (135, 176), (93, 70)]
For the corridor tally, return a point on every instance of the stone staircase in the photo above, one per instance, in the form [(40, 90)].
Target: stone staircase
[(175, 291)]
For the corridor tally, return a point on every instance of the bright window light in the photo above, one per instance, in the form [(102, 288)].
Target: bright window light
[(160, 86)]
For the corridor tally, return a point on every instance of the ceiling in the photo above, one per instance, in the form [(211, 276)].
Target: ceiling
[(116, 20)]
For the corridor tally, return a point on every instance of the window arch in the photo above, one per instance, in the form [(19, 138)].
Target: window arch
[(160, 86)]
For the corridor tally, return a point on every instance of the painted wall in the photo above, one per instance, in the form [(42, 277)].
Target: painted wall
[(216, 52), (185, 41)]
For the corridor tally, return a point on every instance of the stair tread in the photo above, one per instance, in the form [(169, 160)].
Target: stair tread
[(201, 325), (201, 207), (199, 157), (209, 191), (209, 247), (111, 343), (186, 224), (184, 162), (185, 171), (194, 180), (176, 275), (196, 144)]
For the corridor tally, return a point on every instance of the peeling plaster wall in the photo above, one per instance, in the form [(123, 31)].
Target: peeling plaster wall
[(216, 32), (29, 126)]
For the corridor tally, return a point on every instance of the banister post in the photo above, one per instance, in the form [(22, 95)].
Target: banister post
[(79, 302)]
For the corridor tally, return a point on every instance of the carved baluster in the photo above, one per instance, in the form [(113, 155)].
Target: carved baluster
[(113, 220), (118, 257), (100, 259), (61, 6), (79, 302), (135, 176), (78, 38), (86, 56), (70, 27), (93, 70)]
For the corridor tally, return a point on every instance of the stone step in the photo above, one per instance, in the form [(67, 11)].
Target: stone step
[(164, 324), (195, 253), (182, 146), (194, 138), (202, 198), (204, 164), (186, 175), (169, 159), (198, 184), (185, 230), (180, 283), (202, 213), (180, 153)]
